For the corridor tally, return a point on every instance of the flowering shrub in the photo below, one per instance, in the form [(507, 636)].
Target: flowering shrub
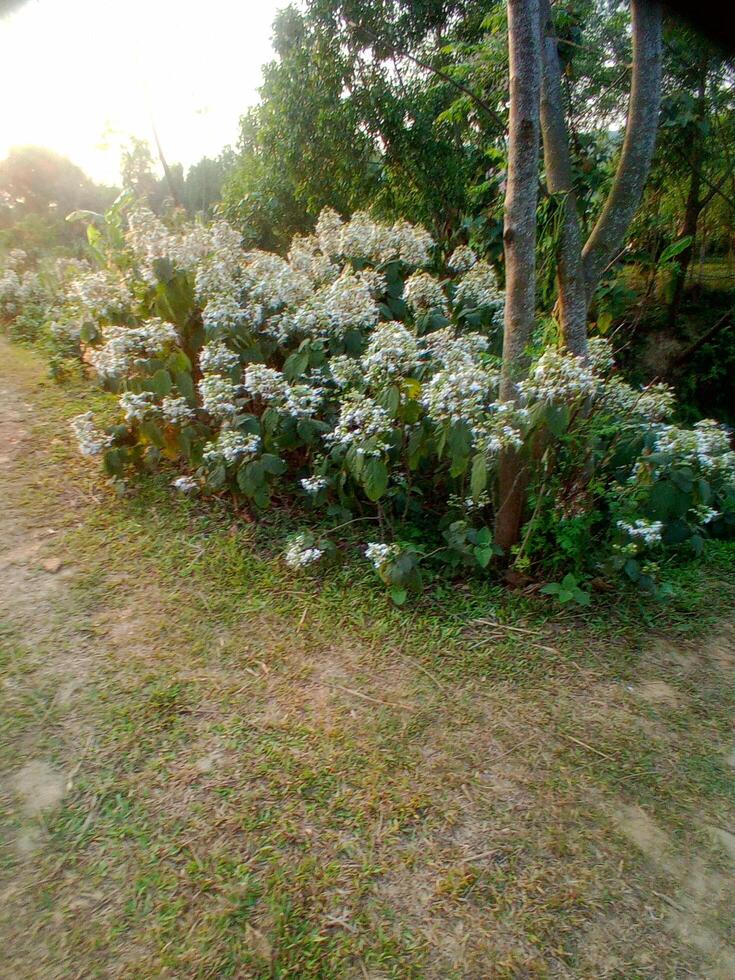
[(359, 374)]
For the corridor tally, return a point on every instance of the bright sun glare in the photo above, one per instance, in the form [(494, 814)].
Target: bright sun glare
[(81, 76)]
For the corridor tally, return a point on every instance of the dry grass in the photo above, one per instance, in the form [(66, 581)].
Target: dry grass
[(251, 774)]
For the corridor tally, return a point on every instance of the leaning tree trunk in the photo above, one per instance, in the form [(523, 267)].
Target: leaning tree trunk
[(693, 207), (519, 239), (560, 182), (607, 236)]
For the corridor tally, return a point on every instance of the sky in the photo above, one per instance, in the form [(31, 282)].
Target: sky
[(81, 76)]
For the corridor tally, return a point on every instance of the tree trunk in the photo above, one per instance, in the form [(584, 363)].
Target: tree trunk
[(519, 239), (693, 207), (688, 227), (559, 179), (640, 139)]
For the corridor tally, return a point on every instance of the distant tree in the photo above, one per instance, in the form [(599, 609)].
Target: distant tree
[(38, 189), (202, 187)]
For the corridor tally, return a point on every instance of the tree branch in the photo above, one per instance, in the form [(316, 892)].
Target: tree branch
[(436, 71), (559, 178), (638, 145)]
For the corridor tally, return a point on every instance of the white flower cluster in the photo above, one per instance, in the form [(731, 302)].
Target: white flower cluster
[(231, 447), (391, 352), (223, 314), (360, 419), (462, 259), (89, 438), (216, 358), (706, 446), (185, 484), (450, 348), (558, 377), (265, 383), (423, 293), (703, 514), (380, 554), (301, 552), (306, 257), (219, 276), (361, 237), (100, 295), (150, 240), (176, 411), (125, 345), (649, 532), (138, 407), (650, 404), (314, 484), (600, 355), (479, 287), (339, 306), (219, 396)]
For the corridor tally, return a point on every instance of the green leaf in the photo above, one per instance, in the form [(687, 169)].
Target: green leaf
[(273, 464), (675, 249), (398, 596), (152, 433), (160, 383), (185, 384), (375, 478), (557, 419), (296, 364), (478, 479), (484, 555)]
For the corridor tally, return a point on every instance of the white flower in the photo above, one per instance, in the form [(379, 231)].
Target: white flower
[(91, 441), (423, 293), (600, 355), (313, 484), (125, 345), (100, 294), (231, 447), (301, 552), (176, 410), (558, 376), (380, 554), (185, 484), (650, 404), (303, 401), (479, 287), (219, 396), (265, 383), (361, 419), (342, 305), (706, 447), (392, 351), (216, 358), (138, 407), (649, 532), (462, 259)]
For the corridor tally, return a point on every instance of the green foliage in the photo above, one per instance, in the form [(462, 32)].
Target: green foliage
[(566, 591)]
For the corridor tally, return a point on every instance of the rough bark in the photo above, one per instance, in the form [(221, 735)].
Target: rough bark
[(640, 139), (559, 178), (519, 239)]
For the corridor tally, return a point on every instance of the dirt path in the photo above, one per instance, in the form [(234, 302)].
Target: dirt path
[(195, 782)]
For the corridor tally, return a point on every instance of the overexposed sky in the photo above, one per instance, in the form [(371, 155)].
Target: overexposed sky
[(78, 76)]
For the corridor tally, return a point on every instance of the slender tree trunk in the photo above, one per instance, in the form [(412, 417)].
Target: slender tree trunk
[(519, 238), (640, 139), (559, 178), (693, 207), (688, 228)]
